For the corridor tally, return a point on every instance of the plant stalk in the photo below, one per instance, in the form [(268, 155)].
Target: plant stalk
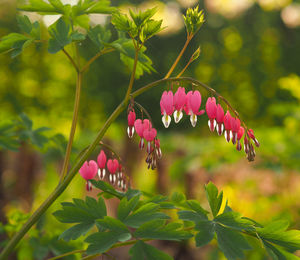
[(132, 75), (73, 127), (188, 39)]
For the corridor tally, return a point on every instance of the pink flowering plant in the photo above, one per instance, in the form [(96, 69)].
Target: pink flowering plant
[(141, 217)]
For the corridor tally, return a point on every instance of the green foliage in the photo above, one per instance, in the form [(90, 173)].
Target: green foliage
[(85, 213), (60, 33), (214, 199), (143, 251), (16, 42), (57, 7), (140, 27), (193, 20), (99, 36), (145, 220)]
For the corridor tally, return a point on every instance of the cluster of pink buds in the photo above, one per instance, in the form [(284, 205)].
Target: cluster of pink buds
[(146, 132), (115, 171), (232, 125), (175, 104)]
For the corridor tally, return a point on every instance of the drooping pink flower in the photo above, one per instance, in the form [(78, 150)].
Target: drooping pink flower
[(88, 171), (193, 103), (157, 148), (166, 107), (211, 111), (179, 103), (149, 135), (239, 137), (101, 160), (252, 136), (227, 125), (235, 127), (219, 119), (140, 126), (131, 119), (112, 166)]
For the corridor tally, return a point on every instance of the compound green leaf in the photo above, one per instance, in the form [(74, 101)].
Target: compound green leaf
[(214, 199), (143, 251)]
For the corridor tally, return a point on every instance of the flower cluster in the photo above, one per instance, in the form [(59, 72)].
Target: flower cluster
[(175, 104), (146, 132), (115, 171)]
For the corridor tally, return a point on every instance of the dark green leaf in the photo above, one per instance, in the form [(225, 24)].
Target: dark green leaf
[(143, 251), (125, 207), (231, 242), (104, 186), (214, 199), (83, 212), (59, 32), (99, 36), (205, 234), (76, 231), (102, 241), (234, 220), (112, 224), (145, 213), (24, 24), (157, 229)]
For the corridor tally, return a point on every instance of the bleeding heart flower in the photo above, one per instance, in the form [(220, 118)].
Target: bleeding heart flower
[(88, 171), (166, 107), (179, 101), (101, 160), (193, 103), (211, 111), (149, 135), (239, 137), (131, 119), (235, 127), (227, 125), (112, 166), (140, 126), (220, 119)]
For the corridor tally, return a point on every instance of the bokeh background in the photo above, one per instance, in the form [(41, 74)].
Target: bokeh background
[(249, 54)]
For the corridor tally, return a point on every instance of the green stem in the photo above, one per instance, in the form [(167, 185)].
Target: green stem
[(188, 39), (87, 65), (73, 127), (67, 254), (132, 75), (71, 60)]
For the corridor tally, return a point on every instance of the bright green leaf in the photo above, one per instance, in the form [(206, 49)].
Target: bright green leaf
[(214, 199), (125, 207)]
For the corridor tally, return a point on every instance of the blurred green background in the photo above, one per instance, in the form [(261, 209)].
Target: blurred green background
[(249, 54)]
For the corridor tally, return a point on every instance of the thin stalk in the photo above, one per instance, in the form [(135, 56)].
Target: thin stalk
[(145, 111), (73, 127), (188, 39), (87, 65), (67, 254), (71, 60), (60, 188), (132, 75)]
